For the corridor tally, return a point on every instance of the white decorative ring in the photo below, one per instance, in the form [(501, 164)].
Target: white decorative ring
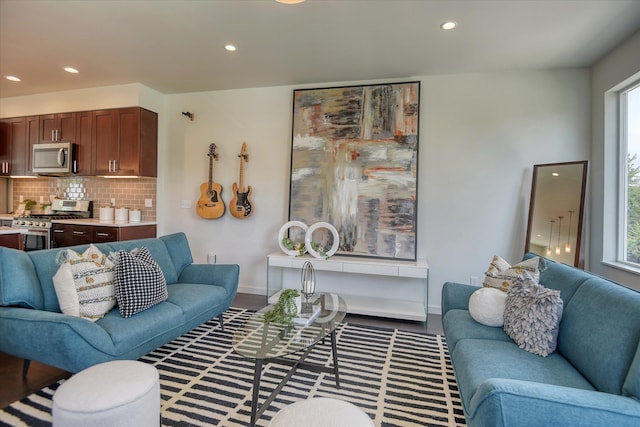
[(308, 238), (282, 233)]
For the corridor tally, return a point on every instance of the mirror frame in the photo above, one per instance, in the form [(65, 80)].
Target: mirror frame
[(578, 260)]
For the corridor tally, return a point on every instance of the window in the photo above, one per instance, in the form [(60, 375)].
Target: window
[(629, 186)]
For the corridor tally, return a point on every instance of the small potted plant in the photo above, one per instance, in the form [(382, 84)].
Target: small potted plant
[(28, 204), (285, 310)]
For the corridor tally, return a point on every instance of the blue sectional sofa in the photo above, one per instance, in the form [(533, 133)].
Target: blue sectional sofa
[(592, 379), (32, 326)]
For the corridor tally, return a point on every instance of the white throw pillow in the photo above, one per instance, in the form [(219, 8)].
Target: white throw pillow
[(84, 283), (501, 275), (486, 306)]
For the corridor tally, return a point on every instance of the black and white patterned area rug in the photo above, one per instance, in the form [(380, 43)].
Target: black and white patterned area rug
[(398, 378)]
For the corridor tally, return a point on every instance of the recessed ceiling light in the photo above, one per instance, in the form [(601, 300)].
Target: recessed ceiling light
[(71, 70), (555, 174), (289, 1), (230, 48), (449, 25), (13, 78)]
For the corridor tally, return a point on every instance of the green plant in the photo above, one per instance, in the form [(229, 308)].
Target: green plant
[(285, 310), (289, 244), (28, 204)]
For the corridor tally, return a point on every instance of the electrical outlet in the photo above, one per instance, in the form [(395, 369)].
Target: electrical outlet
[(21, 198), (113, 201), (474, 280), (185, 204), (148, 203), (41, 199), (211, 258)]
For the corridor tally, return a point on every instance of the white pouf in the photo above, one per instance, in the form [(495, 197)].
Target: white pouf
[(118, 393), (486, 306), (321, 412)]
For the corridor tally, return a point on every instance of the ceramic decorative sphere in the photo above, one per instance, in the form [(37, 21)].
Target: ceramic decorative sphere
[(486, 306)]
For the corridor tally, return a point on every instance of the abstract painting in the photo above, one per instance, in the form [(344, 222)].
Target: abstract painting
[(354, 164)]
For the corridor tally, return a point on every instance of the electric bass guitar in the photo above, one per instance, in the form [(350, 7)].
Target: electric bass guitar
[(210, 204), (240, 206)]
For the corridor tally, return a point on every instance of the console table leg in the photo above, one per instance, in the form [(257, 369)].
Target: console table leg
[(256, 391), (334, 349)]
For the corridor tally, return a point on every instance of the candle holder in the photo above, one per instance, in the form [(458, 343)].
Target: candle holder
[(308, 279)]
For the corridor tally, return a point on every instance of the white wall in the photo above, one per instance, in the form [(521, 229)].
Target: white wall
[(480, 134), (613, 72)]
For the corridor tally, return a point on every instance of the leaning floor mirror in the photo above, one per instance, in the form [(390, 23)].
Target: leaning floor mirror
[(556, 212)]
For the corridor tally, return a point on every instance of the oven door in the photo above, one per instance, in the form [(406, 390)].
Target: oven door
[(35, 239)]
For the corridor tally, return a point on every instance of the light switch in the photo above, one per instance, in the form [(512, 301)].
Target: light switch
[(148, 203), (186, 204)]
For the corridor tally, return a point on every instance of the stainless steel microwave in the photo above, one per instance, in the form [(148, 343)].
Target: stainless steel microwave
[(57, 158)]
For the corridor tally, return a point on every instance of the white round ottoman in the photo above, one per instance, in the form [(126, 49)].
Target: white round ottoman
[(321, 412), (118, 393)]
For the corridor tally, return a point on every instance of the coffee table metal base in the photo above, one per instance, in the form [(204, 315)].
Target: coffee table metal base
[(256, 412)]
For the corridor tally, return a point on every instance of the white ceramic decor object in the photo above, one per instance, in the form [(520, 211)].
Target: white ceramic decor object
[(283, 232), (308, 238)]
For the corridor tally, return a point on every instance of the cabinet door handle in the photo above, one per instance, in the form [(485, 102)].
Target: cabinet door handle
[(103, 235), (79, 233), (58, 231), (115, 166)]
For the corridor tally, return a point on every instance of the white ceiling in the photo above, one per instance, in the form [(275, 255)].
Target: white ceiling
[(177, 46)]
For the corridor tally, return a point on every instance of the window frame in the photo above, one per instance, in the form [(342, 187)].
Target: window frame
[(623, 173)]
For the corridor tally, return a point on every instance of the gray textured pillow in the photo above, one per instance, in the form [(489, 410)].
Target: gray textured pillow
[(532, 315)]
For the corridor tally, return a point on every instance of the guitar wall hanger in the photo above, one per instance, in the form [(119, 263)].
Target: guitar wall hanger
[(188, 114)]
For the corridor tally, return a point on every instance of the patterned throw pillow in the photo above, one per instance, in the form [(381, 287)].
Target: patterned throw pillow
[(532, 316), (501, 275), (84, 283), (140, 283)]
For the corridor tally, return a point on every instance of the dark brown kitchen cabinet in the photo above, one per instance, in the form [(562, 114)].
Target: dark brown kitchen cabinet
[(104, 234), (125, 142), (57, 127), (70, 235), (84, 145), (75, 234), (16, 139)]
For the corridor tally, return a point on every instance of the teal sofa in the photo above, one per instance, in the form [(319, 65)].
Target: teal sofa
[(33, 328), (592, 379)]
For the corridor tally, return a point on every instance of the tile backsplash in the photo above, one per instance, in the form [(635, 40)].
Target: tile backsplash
[(127, 192)]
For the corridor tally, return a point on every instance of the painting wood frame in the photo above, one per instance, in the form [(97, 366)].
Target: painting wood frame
[(354, 164)]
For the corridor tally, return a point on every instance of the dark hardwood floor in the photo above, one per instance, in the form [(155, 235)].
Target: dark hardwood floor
[(13, 387)]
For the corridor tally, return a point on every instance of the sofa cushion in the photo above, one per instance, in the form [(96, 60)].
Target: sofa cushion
[(600, 331), (501, 275), (477, 360), (140, 283), (631, 386), (16, 267), (459, 325), (486, 306), (84, 283), (562, 277), (531, 316)]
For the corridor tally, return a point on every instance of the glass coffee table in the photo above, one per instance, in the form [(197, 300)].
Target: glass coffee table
[(270, 342)]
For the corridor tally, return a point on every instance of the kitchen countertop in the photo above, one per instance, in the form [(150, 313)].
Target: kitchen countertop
[(97, 222), (9, 230), (6, 216)]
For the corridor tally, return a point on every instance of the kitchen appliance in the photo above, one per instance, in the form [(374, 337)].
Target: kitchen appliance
[(57, 158), (38, 226)]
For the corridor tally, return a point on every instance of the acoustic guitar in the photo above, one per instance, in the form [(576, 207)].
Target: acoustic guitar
[(210, 204), (240, 206)]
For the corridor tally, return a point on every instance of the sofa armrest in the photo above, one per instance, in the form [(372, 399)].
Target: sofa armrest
[(505, 402), (456, 296), (224, 275), (52, 338)]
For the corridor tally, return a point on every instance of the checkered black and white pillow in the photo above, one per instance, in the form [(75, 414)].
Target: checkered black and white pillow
[(140, 283)]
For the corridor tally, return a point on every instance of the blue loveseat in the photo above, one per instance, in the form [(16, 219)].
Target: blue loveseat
[(32, 326), (592, 379)]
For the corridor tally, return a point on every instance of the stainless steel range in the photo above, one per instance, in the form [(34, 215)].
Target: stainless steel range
[(38, 226)]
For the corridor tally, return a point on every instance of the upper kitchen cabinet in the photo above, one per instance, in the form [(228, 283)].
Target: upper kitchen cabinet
[(83, 138), (125, 142), (58, 127), (17, 136)]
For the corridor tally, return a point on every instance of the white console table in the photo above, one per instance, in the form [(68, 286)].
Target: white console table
[(384, 288)]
